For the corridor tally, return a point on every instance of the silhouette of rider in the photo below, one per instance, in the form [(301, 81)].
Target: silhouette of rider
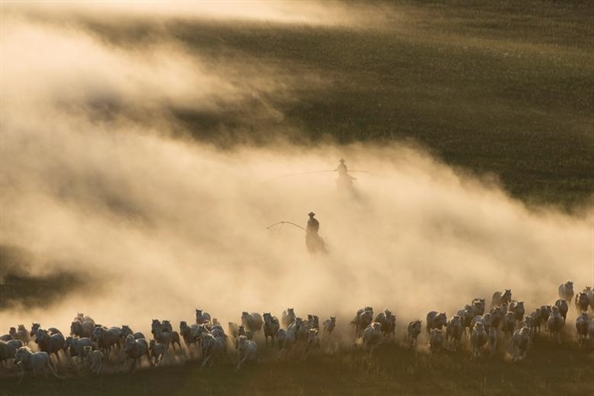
[(313, 225), (344, 181), (342, 168), (313, 241)]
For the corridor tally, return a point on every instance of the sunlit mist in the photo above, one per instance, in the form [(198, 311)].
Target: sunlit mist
[(100, 180)]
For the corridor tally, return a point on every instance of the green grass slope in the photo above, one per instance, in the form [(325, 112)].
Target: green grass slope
[(501, 87)]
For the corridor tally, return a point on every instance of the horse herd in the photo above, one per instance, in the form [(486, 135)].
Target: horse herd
[(504, 326)]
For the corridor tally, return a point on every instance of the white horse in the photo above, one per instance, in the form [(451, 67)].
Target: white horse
[(566, 291), (312, 344), (157, 351), (93, 359), (285, 341), (288, 317), (212, 348), (23, 334), (388, 322), (454, 332), (8, 350), (372, 337), (246, 351), (412, 332), (479, 339), (107, 339), (75, 347), (29, 361), (135, 349), (298, 329), (520, 343), (581, 325), (501, 298), (582, 302), (329, 325), (435, 340), (82, 329), (362, 320), (563, 308), (252, 322), (555, 323)]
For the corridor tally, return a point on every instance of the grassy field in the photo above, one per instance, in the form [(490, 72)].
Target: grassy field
[(549, 370), (501, 87)]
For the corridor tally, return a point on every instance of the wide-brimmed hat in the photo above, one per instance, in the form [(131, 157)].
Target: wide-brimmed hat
[(311, 214)]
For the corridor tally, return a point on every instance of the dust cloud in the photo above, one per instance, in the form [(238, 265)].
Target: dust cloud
[(317, 13), (97, 181)]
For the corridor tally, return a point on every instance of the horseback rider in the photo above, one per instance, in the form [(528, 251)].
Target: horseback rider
[(313, 241), (313, 225), (342, 168), (344, 181)]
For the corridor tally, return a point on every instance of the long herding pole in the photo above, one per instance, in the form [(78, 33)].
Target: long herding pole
[(309, 173), (285, 222)]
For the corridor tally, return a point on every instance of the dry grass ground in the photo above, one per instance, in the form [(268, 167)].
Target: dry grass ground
[(549, 369)]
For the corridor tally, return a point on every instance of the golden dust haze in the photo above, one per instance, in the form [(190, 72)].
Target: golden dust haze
[(158, 224)]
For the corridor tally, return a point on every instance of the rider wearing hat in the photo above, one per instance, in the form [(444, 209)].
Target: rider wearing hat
[(342, 168), (313, 225), (313, 241), (344, 181)]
